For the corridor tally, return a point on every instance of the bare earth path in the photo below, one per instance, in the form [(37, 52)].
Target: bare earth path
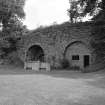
[(19, 87)]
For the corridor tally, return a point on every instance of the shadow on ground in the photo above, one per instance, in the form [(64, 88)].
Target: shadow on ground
[(17, 70)]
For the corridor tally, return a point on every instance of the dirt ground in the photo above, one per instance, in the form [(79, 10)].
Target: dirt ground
[(20, 87)]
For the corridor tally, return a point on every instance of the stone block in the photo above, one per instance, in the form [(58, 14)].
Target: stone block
[(32, 65), (45, 66)]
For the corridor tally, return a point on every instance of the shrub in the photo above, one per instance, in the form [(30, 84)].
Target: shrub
[(75, 68), (65, 63)]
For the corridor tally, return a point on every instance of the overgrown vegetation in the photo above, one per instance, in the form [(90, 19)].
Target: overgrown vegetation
[(12, 28), (82, 8), (65, 64), (98, 41)]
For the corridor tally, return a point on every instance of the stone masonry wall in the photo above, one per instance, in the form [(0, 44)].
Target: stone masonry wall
[(55, 39)]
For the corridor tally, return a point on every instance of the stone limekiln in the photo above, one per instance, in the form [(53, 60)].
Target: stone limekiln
[(56, 43)]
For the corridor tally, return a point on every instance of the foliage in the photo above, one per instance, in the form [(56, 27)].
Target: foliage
[(65, 63), (82, 8), (95, 8), (9, 9), (98, 40), (75, 11), (11, 15)]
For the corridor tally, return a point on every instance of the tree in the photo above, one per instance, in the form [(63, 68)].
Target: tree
[(11, 9), (73, 11), (11, 15), (94, 8)]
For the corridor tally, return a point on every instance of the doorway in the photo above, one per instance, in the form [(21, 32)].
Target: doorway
[(86, 60), (35, 53)]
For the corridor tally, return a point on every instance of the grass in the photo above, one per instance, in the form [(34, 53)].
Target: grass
[(20, 87)]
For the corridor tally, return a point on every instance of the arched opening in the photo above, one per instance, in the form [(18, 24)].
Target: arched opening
[(35, 53), (78, 54), (69, 45)]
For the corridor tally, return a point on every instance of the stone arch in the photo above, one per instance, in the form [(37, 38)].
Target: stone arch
[(35, 53), (78, 54)]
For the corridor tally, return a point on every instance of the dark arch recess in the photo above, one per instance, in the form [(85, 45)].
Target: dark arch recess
[(35, 53)]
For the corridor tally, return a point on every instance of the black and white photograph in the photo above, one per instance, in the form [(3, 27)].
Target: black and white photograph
[(52, 52)]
